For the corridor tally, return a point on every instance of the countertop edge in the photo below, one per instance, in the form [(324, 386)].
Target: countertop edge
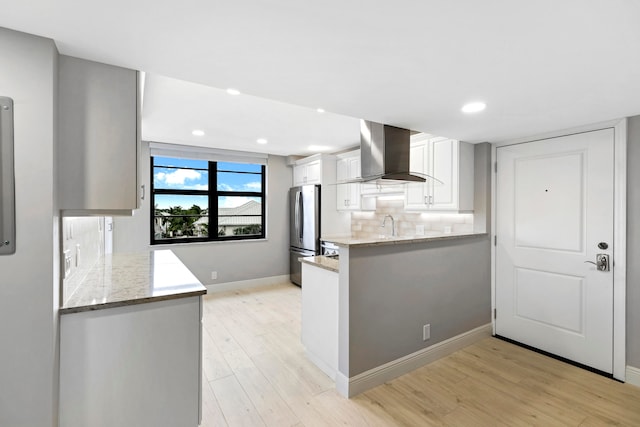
[(321, 262), (348, 242), (123, 303)]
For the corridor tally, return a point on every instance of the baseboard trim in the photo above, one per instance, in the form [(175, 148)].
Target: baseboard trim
[(246, 284), (633, 376), (350, 387)]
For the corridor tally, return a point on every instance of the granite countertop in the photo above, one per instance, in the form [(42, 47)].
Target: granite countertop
[(133, 278), (397, 240), (328, 263)]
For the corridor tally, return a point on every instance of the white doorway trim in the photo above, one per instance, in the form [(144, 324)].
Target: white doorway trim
[(620, 231)]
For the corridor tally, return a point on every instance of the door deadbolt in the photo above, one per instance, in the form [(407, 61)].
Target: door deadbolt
[(602, 262), (603, 245)]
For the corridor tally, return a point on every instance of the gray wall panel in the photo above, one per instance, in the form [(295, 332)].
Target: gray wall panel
[(394, 290), (29, 278), (633, 242)]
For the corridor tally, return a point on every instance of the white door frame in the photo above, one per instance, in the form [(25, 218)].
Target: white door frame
[(619, 231)]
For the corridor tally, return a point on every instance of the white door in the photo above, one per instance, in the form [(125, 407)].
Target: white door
[(555, 201)]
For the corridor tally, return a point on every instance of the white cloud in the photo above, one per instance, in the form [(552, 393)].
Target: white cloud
[(179, 176), (225, 187), (255, 186), (182, 175)]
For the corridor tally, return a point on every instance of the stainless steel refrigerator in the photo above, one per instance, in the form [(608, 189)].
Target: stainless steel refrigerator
[(304, 230)]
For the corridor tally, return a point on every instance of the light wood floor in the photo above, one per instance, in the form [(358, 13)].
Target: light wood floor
[(256, 374)]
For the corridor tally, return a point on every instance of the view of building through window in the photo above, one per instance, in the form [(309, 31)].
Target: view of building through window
[(197, 200)]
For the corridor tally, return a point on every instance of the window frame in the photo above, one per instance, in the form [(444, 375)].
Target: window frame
[(213, 194)]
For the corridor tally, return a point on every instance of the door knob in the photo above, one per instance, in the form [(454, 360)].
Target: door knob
[(602, 262)]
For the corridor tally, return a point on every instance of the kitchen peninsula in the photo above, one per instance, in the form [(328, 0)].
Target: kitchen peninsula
[(130, 346), (379, 296)]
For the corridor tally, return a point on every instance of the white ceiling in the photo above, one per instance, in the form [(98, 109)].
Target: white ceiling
[(539, 65), (173, 108)]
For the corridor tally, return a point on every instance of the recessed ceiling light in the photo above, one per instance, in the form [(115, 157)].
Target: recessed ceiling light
[(261, 141), (198, 132), (320, 110), (232, 91), (474, 107), (318, 148)]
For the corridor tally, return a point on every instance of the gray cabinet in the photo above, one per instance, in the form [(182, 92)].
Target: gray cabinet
[(98, 137)]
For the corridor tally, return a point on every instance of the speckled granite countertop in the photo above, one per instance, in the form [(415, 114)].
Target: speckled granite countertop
[(397, 240), (133, 278), (322, 261)]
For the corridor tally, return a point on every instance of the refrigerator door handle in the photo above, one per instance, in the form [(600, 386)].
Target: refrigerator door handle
[(296, 221), (301, 216)]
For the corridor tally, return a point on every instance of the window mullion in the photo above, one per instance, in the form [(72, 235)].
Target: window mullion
[(213, 201)]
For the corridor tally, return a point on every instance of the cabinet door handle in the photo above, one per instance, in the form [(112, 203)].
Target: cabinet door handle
[(142, 196)]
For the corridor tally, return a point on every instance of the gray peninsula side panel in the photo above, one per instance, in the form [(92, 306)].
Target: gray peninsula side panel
[(395, 290)]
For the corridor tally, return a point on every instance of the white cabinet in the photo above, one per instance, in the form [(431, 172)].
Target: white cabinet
[(319, 329), (348, 193), (136, 365), (98, 137), (307, 173), (320, 169), (450, 162)]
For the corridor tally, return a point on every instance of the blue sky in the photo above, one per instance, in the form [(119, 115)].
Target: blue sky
[(193, 179)]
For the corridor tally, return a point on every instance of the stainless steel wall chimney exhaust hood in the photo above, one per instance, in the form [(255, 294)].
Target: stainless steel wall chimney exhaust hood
[(384, 153)]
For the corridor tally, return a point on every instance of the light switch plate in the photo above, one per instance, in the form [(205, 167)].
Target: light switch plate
[(420, 230)]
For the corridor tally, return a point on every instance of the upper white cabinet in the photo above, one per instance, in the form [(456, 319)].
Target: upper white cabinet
[(447, 160), (98, 137), (307, 172), (348, 168), (320, 169)]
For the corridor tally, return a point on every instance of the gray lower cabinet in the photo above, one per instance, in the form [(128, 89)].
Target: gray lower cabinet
[(137, 365), (98, 137)]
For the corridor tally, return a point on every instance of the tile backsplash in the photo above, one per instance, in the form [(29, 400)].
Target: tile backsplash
[(369, 224), (83, 244)]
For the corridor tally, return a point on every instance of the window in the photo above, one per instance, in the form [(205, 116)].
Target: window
[(200, 200)]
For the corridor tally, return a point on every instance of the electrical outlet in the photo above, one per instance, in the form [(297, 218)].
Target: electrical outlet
[(420, 230), (426, 332), (214, 275)]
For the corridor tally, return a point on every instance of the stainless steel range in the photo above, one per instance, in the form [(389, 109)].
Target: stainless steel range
[(329, 248)]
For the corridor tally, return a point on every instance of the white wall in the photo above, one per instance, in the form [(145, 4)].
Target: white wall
[(233, 261), (29, 279)]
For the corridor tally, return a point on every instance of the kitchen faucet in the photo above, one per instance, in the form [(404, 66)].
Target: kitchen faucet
[(393, 224)]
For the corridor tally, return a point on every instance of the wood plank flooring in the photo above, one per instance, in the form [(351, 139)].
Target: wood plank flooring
[(256, 374)]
